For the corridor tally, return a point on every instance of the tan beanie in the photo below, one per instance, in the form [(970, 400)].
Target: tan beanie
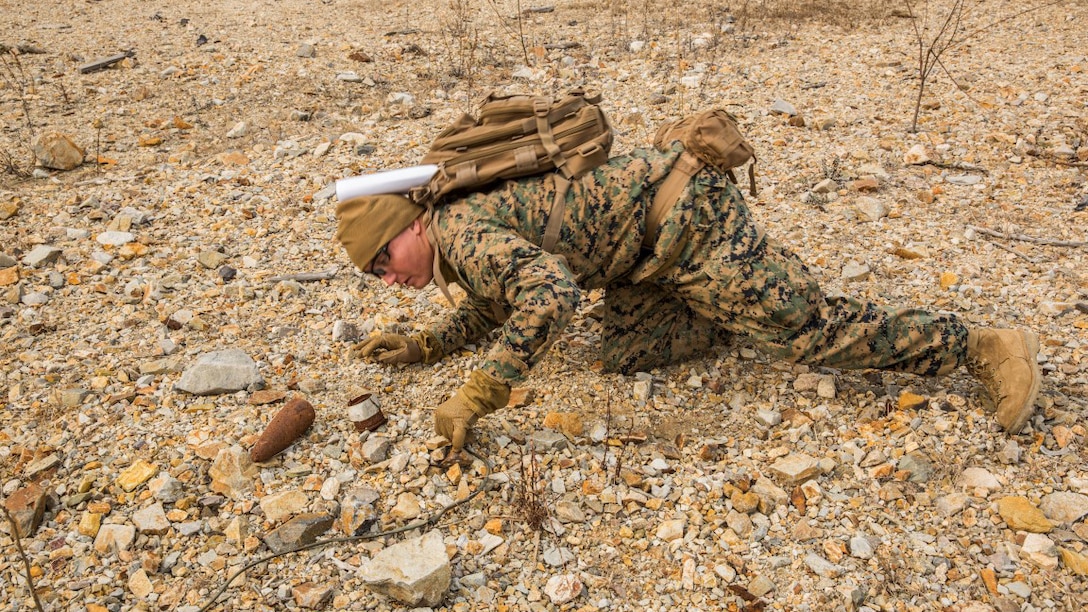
[(367, 223)]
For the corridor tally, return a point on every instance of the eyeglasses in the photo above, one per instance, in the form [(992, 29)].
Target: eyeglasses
[(380, 261)]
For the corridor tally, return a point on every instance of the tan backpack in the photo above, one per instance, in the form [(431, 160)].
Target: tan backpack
[(516, 136), (711, 138), (513, 137)]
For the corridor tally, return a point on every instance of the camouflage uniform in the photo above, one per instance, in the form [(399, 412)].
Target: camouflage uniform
[(710, 272)]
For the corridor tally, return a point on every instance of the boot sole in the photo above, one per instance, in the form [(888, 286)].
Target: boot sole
[(1031, 346)]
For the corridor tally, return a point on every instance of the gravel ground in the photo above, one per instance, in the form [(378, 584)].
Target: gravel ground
[(732, 482)]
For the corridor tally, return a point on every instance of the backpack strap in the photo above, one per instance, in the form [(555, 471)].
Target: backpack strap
[(436, 267), (669, 193), (555, 216), (547, 138)]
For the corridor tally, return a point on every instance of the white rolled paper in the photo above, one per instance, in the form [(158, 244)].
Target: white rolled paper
[(401, 180)]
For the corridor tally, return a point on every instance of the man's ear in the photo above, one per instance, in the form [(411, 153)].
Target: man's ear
[(417, 227)]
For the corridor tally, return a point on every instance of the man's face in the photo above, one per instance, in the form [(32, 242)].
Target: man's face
[(406, 260)]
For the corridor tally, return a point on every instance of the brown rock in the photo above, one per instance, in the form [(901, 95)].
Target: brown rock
[(912, 401), (299, 531), (1075, 561), (745, 502), (1019, 514), (566, 422), (710, 452), (288, 424), (989, 578), (312, 595), (865, 183), (9, 276), (8, 209), (27, 507), (266, 396), (136, 474), (1062, 435), (521, 397), (57, 151)]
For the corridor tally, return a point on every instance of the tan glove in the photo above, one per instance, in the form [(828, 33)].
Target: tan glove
[(478, 397), (395, 348)]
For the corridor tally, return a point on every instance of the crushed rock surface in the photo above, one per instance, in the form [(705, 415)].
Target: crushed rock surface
[(729, 482)]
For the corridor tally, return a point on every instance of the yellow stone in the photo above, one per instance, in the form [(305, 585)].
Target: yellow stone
[(136, 474), (521, 397), (89, 524), (1062, 435), (566, 422), (883, 470), (99, 507), (131, 250), (948, 279), (746, 503), (1076, 562), (989, 578), (8, 209), (9, 276), (912, 401), (454, 473), (1021, 515), (591, 487)]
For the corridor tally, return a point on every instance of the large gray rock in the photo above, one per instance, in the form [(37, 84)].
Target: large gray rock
[(1064, 506), (415, 572), (299, 531), (57, 151), (41, 255), (218, 372)]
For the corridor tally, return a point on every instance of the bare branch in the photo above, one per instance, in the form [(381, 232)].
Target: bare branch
[(1026, 238), (26, 562)]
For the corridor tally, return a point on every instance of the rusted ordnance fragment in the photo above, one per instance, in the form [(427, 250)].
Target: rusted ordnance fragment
[(288, 424)]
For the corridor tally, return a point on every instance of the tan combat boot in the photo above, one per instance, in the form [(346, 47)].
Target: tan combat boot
[(1004, 361)]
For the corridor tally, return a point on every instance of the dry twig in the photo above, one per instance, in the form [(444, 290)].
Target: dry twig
[(26, 562), (305, 276), (966, 167), (1015, 252), (1026, 238), (529, 496)]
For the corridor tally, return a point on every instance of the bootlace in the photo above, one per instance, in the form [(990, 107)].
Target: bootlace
[(986, 373)]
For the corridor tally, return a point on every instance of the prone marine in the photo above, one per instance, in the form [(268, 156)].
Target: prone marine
[(672, 289)]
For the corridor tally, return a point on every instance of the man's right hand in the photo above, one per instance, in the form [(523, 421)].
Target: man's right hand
[(389, 349)]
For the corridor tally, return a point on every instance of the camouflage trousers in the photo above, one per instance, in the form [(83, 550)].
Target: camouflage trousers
[(730, 279)]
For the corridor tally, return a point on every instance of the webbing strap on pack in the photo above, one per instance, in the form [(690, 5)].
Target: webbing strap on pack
[(547, 138), (436, 268), (551, 236), (668, 193), (555, 217)]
